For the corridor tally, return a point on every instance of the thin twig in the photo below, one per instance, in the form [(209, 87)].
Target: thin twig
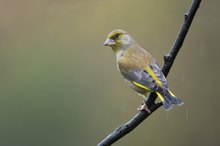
[(168, 62)]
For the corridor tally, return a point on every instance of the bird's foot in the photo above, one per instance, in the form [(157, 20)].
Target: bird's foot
[(143, 107)]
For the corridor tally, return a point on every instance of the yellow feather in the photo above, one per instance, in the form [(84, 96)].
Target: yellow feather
[(160, 96), (149, 70), (139, 85), (171, 93)]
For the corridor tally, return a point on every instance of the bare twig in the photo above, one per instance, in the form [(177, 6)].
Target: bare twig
[(168, 62)]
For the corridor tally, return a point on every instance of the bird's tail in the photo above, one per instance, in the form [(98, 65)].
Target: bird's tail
[(169, 99)]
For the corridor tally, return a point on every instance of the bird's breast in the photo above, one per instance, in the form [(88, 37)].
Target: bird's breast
[(131, 62)]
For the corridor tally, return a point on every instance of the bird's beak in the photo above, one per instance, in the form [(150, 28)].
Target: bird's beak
[(109, 42)]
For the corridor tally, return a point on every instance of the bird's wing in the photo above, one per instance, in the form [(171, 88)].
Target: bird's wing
[(159, 74), (151, 78)]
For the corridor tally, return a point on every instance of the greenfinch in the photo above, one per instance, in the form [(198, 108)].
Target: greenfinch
[(139, 69)]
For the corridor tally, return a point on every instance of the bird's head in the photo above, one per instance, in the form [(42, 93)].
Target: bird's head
[(119, 40)]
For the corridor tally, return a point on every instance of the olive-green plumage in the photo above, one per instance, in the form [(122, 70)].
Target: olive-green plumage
[(139, 68)]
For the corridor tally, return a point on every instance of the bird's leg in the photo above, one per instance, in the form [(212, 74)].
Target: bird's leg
[(143, 107)]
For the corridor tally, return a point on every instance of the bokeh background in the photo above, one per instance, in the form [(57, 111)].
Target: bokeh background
[(59, 85)]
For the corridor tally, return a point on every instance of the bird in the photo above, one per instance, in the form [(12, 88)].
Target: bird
[(140, 70)]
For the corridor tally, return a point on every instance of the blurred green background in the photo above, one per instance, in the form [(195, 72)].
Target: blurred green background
[(59, 85)]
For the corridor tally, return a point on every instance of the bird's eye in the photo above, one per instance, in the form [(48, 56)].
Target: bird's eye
[(115, 36)]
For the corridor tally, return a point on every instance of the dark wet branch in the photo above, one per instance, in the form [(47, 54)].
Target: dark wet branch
[(168, 62)]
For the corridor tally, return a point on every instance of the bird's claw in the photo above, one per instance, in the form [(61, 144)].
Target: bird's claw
[(143, 107)]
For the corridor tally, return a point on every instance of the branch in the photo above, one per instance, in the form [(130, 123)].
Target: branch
[(168, 62)]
